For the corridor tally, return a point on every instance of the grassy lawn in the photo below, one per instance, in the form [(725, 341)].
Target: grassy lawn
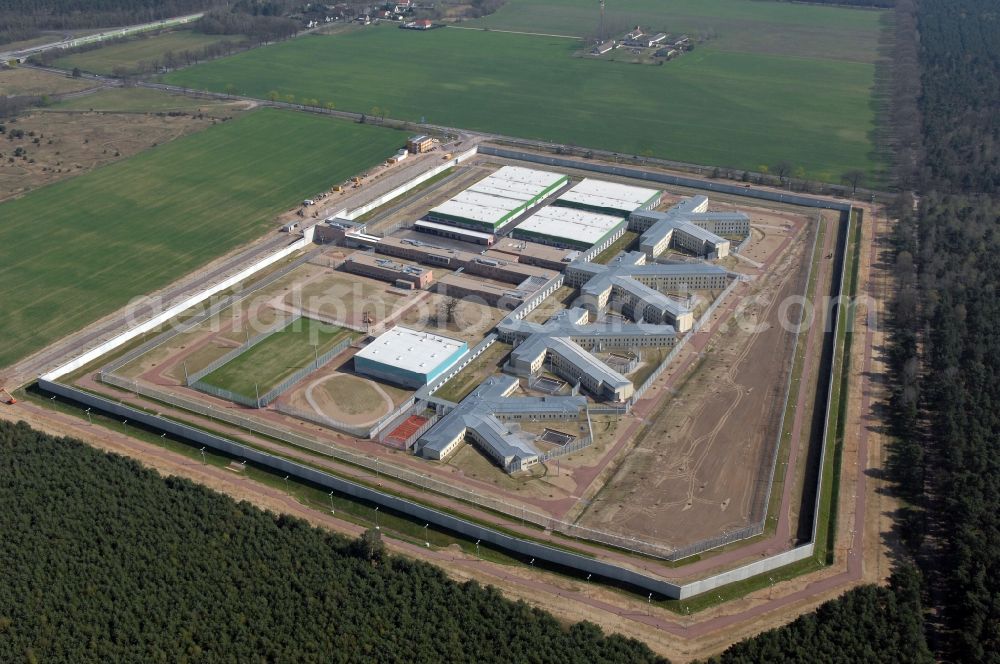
[(778, 28), (276, 358), (79, 249), (475, 373), (131, 54), (711, 106)]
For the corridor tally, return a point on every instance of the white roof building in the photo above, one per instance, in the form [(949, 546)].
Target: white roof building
[(610, 197), (567, 226)]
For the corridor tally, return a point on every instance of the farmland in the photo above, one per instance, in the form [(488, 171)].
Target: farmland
[(709, 107), (79, 249), (276, 358), (129, 55), (775, 28)]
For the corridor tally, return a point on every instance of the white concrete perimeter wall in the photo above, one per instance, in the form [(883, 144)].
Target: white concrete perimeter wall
[(166, 315), (742, 573), (403, 188)]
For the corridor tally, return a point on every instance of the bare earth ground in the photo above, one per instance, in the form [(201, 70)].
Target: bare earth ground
[(694, 470)]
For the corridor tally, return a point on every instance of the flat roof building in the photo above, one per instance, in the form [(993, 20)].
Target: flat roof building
[(407, 357), (454, 232), (609, 197), (563, 344), (688, 226), (639, 287), (481, 416), (498, 198), (370, 265), (533, 253), (568, 227), (418, 144)]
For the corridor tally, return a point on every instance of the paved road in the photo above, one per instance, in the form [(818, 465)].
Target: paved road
[(109, 33)]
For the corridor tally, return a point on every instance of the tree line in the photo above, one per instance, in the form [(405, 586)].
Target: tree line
[(945, 349), (107, 561), (23, 19)]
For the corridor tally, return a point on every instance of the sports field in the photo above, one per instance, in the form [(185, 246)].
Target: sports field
[(130, 54), (710, 106), (276, 358), (79, 249)]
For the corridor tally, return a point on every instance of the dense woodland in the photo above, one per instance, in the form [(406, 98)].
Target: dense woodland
[(105, 561), (945, 350), (866, 624), (23, 19)]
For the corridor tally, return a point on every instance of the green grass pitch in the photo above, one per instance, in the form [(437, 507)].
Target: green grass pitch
[(276, 358), (77, 250), (709, 107)]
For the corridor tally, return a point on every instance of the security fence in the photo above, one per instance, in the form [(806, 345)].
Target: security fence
[(568, 448), (213, 310), (191, 379), (317, 364)]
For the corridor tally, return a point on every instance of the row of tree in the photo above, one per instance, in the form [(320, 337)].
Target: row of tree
[(945, 350), (22, 19), (106, 561)]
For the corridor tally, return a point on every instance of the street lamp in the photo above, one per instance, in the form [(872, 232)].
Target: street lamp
[(124, 426), (477, 548), (331, 504), (376, 519), (203, 461), (89, 420), (427, 542)]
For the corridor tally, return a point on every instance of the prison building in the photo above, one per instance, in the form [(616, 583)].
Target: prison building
[(688, 226), (454, 232), (569, 360), (609, 198), (495, 295), (335, 230), (597, 336), (572, 228), (481, 415), (510, 272), (497, 199), (418, 144), (409, 358), (532, 253), (405, 275), (640, 288)]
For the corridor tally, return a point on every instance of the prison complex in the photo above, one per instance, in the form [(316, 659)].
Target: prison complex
[(409, 358), (498, 198)]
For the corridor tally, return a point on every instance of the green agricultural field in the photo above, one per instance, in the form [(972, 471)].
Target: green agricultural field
[(276, 358), (79, 249), (709, 107), (746, 26), (130, 54)]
